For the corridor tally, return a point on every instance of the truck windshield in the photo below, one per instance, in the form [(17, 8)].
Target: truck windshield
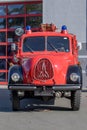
[(50, 43), (34, 44), (58, 43)]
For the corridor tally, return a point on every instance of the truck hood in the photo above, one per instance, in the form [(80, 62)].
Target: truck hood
[(46, 67)]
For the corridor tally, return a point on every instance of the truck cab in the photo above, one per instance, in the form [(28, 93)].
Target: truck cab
[(45, 65)]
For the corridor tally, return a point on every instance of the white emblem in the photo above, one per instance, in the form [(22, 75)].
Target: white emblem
[(43, 73)]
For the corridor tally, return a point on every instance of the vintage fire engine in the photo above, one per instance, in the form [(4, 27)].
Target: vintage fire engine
[(45, 65)]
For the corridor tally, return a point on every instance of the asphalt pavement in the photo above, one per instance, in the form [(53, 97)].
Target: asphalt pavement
[(42, 117)]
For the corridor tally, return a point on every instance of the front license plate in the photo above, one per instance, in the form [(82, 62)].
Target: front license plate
[(43, 93)]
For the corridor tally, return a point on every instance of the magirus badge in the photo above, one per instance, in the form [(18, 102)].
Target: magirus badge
[(43, 70)]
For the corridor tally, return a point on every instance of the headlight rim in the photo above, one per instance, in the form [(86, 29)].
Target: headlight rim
[(15, 79), (74, 77)]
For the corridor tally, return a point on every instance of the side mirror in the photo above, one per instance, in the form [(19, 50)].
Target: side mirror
[(79, 45), (13, 47)]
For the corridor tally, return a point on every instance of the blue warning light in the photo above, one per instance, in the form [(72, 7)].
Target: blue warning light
[(64, 27), (28, 27)]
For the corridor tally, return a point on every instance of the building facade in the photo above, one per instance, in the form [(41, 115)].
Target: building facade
[(15, 13), (12, 15)]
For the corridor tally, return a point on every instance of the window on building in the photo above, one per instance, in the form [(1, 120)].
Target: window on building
[(2, 36), (2, 23), (2, 50), (34, 21), (34, 8), (2, 77), (2, 10), (16, 9), (2, 64), (15, 22)]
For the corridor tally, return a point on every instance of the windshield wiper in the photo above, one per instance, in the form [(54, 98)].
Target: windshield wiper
[(29, 48), (53, 46)]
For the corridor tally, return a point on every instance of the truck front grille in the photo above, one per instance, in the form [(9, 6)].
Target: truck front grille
[(43, 70)]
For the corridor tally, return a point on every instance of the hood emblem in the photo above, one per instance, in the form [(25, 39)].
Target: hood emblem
[(43, 72)]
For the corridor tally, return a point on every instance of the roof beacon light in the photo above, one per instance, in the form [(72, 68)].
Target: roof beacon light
[(28, 29), (64, 29)]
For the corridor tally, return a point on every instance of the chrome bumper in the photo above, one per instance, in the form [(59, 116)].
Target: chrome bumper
[(25, 87)]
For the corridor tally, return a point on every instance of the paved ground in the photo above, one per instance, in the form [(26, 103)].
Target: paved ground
[(42, 117)]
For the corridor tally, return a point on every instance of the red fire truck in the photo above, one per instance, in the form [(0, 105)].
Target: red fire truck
[(45, 65)]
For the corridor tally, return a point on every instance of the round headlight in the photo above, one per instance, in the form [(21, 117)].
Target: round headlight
[(15, 77), (74, 77)]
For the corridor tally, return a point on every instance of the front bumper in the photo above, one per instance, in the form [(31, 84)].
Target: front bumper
[(28, 87)]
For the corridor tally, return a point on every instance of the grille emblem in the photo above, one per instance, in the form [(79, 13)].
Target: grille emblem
[(43, 72)]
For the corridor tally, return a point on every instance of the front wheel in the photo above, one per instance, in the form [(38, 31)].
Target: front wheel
[(75, 100), (15, 101)]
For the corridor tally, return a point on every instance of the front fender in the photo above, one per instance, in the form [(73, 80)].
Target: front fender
[(15, 69), (74, 69)]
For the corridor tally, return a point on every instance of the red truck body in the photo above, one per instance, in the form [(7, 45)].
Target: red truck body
[(46, 63)]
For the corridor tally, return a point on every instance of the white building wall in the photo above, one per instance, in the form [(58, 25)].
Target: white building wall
[(69, 12)]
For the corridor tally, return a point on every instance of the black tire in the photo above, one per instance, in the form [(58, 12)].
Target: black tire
[(15, 101), (75, 100)]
